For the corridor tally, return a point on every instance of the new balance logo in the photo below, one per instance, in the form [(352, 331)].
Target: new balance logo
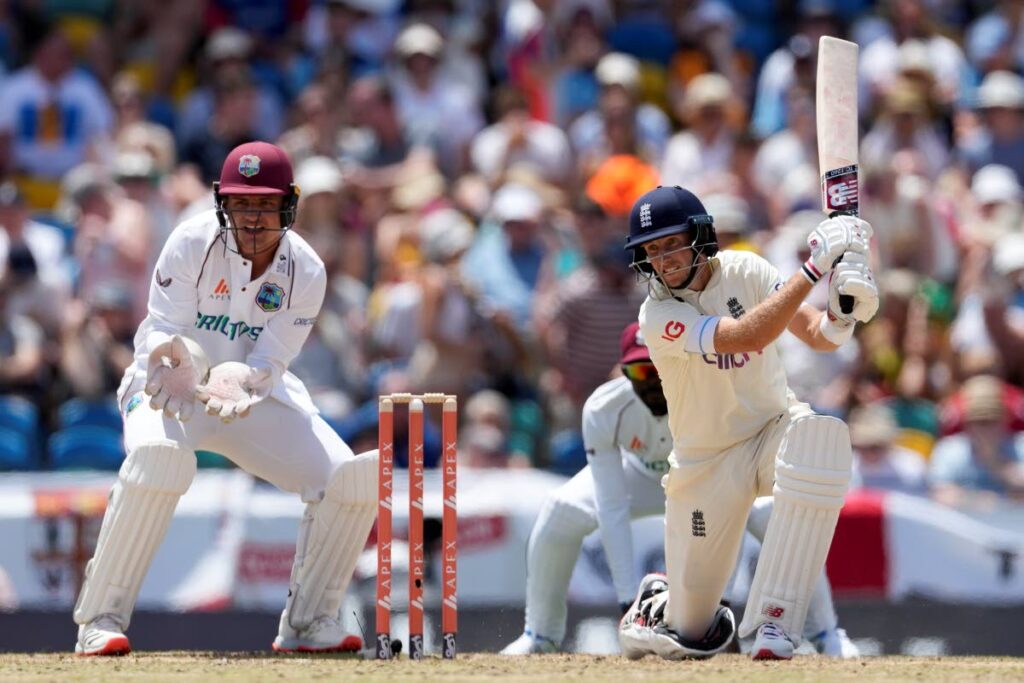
[(645, 216), (699, 529), (773, 611)]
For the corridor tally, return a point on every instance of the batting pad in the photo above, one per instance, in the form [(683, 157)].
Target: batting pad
[(812, 473), (332, 536), (152, 479), (551, 554)]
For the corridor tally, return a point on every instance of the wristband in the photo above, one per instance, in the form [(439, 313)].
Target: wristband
[(836, 331), (811, 272)]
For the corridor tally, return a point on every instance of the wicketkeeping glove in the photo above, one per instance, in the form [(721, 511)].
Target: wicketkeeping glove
[(233, 388), (176, 368)]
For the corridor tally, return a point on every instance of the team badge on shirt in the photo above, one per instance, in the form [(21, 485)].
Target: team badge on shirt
[(249, 165), (270, 297)]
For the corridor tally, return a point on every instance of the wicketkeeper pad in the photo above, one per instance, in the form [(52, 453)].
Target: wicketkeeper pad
[(332, 535), (152, 479), (812, 473)]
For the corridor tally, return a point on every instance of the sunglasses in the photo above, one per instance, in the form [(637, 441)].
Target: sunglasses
[(640, 372)]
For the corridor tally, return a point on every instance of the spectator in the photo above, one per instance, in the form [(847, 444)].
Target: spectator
[(97, 342), (703, 150), (233, 122), (434, 110), (226, 58), (621, 124), (1000, 139), (37, 255), (986, 461), (878, 462), (51, 118), (518, 139)]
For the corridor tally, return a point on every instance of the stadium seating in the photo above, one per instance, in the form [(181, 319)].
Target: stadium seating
[(17, 451), (80, 412), (86, 447)]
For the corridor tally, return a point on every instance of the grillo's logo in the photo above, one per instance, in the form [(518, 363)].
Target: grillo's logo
[(223, 324)]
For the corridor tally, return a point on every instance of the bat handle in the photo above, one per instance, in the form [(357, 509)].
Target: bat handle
[(845, 300)]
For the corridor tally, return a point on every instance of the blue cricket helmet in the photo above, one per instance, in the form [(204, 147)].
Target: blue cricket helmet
[(668, 211)]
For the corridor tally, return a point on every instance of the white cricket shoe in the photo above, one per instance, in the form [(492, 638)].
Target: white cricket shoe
[(530, 644), (102, 636), (835, 643), (325, 634), (771, 643)]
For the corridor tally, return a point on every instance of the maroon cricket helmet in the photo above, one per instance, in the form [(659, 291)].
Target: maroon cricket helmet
[(256, 168), (633, 347)]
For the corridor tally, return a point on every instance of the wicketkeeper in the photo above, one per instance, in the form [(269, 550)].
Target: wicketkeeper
[(232, 300)]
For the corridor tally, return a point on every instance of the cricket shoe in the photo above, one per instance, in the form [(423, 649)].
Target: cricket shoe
[(325, 634), (771, 643), (835, 643), (530, 644), (643, 630), (103, 636)]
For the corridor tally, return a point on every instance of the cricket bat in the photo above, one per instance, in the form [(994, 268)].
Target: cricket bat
[(836, 108)]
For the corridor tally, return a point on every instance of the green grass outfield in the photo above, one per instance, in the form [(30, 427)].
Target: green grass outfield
[(181, 666)]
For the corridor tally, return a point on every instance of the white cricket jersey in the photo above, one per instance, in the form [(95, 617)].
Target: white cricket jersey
[(619, 431), (202, 289), (715, 400)]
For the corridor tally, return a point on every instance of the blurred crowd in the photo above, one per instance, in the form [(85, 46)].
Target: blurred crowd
[(466, 170)]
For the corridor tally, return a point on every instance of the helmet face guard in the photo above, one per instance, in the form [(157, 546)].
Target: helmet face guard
[(288, 213), (704, 242)]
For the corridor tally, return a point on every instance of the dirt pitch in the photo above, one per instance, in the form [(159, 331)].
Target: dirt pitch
[(258, 667)]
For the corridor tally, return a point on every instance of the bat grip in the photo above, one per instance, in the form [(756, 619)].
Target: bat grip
[(845, 300)]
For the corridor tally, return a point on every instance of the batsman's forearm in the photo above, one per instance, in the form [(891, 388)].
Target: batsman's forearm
[(765, 322)]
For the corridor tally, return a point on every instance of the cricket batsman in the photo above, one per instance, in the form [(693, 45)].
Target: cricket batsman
[(710, 320), (233, 297), (627, 439)]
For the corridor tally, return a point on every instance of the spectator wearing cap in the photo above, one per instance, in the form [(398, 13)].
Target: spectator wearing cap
[(505, 262), (52, 116), (998, 205), (1000, 101), (518, 139), (434, 110), (879, 463), (906, 125), (227, 68), (703, 150), (986, 458), (880, 63), (621, 124)]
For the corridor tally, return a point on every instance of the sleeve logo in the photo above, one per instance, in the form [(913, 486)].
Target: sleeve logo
[(673, 330)]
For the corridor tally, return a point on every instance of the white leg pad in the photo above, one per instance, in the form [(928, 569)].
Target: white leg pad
[(812, 473), (331, 538), (551, 556), (821, 612), (152, 479)]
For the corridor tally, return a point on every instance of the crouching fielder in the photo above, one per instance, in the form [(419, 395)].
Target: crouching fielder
[(711, 320), (231, 302), (625, 430)]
